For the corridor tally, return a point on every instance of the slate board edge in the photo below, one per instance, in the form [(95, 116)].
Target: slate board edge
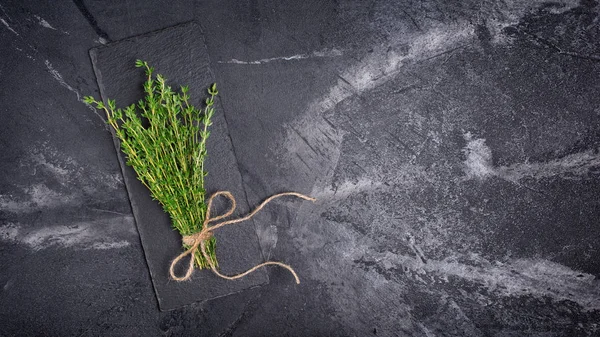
[(123, 166)]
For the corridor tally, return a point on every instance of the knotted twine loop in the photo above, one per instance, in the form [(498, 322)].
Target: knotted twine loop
[(197, 240)]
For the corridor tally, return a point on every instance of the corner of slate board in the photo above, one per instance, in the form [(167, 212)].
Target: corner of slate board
[(179, 54)]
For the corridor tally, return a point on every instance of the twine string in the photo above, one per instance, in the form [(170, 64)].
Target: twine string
[(198, 240)]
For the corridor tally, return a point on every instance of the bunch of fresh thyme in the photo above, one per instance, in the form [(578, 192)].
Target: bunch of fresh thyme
[(165, 143)]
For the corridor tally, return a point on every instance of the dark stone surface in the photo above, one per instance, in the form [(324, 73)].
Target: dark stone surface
[(70, 258), (453, 147), (179, 54)]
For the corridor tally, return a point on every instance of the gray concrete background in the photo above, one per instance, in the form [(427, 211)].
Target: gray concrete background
[(453, 147)]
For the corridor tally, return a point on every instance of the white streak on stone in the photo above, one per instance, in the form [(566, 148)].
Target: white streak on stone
[(58, 77), (8, 26), (40, 197), (536, 277), (478, 164), (383, 65), (577, 164), (100, 234), (479, 158), (44, 23), (348, 188), (110, 245), (324, 53)]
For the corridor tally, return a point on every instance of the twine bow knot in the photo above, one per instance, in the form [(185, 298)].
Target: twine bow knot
[(197, 240)]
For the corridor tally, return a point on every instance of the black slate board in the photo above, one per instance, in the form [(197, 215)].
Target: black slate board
[(179, 54)]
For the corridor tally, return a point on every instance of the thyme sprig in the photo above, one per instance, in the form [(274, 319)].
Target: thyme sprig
[(164, 140)]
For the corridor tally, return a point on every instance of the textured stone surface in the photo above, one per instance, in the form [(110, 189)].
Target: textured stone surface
[(179, 54), (452, 146), (452, 150)]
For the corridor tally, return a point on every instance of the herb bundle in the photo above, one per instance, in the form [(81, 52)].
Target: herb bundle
[(164, 139)]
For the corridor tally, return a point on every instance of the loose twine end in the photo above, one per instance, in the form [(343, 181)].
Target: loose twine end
[(197, 240)]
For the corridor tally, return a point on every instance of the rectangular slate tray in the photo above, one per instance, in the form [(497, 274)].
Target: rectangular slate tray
[(179, 54)]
